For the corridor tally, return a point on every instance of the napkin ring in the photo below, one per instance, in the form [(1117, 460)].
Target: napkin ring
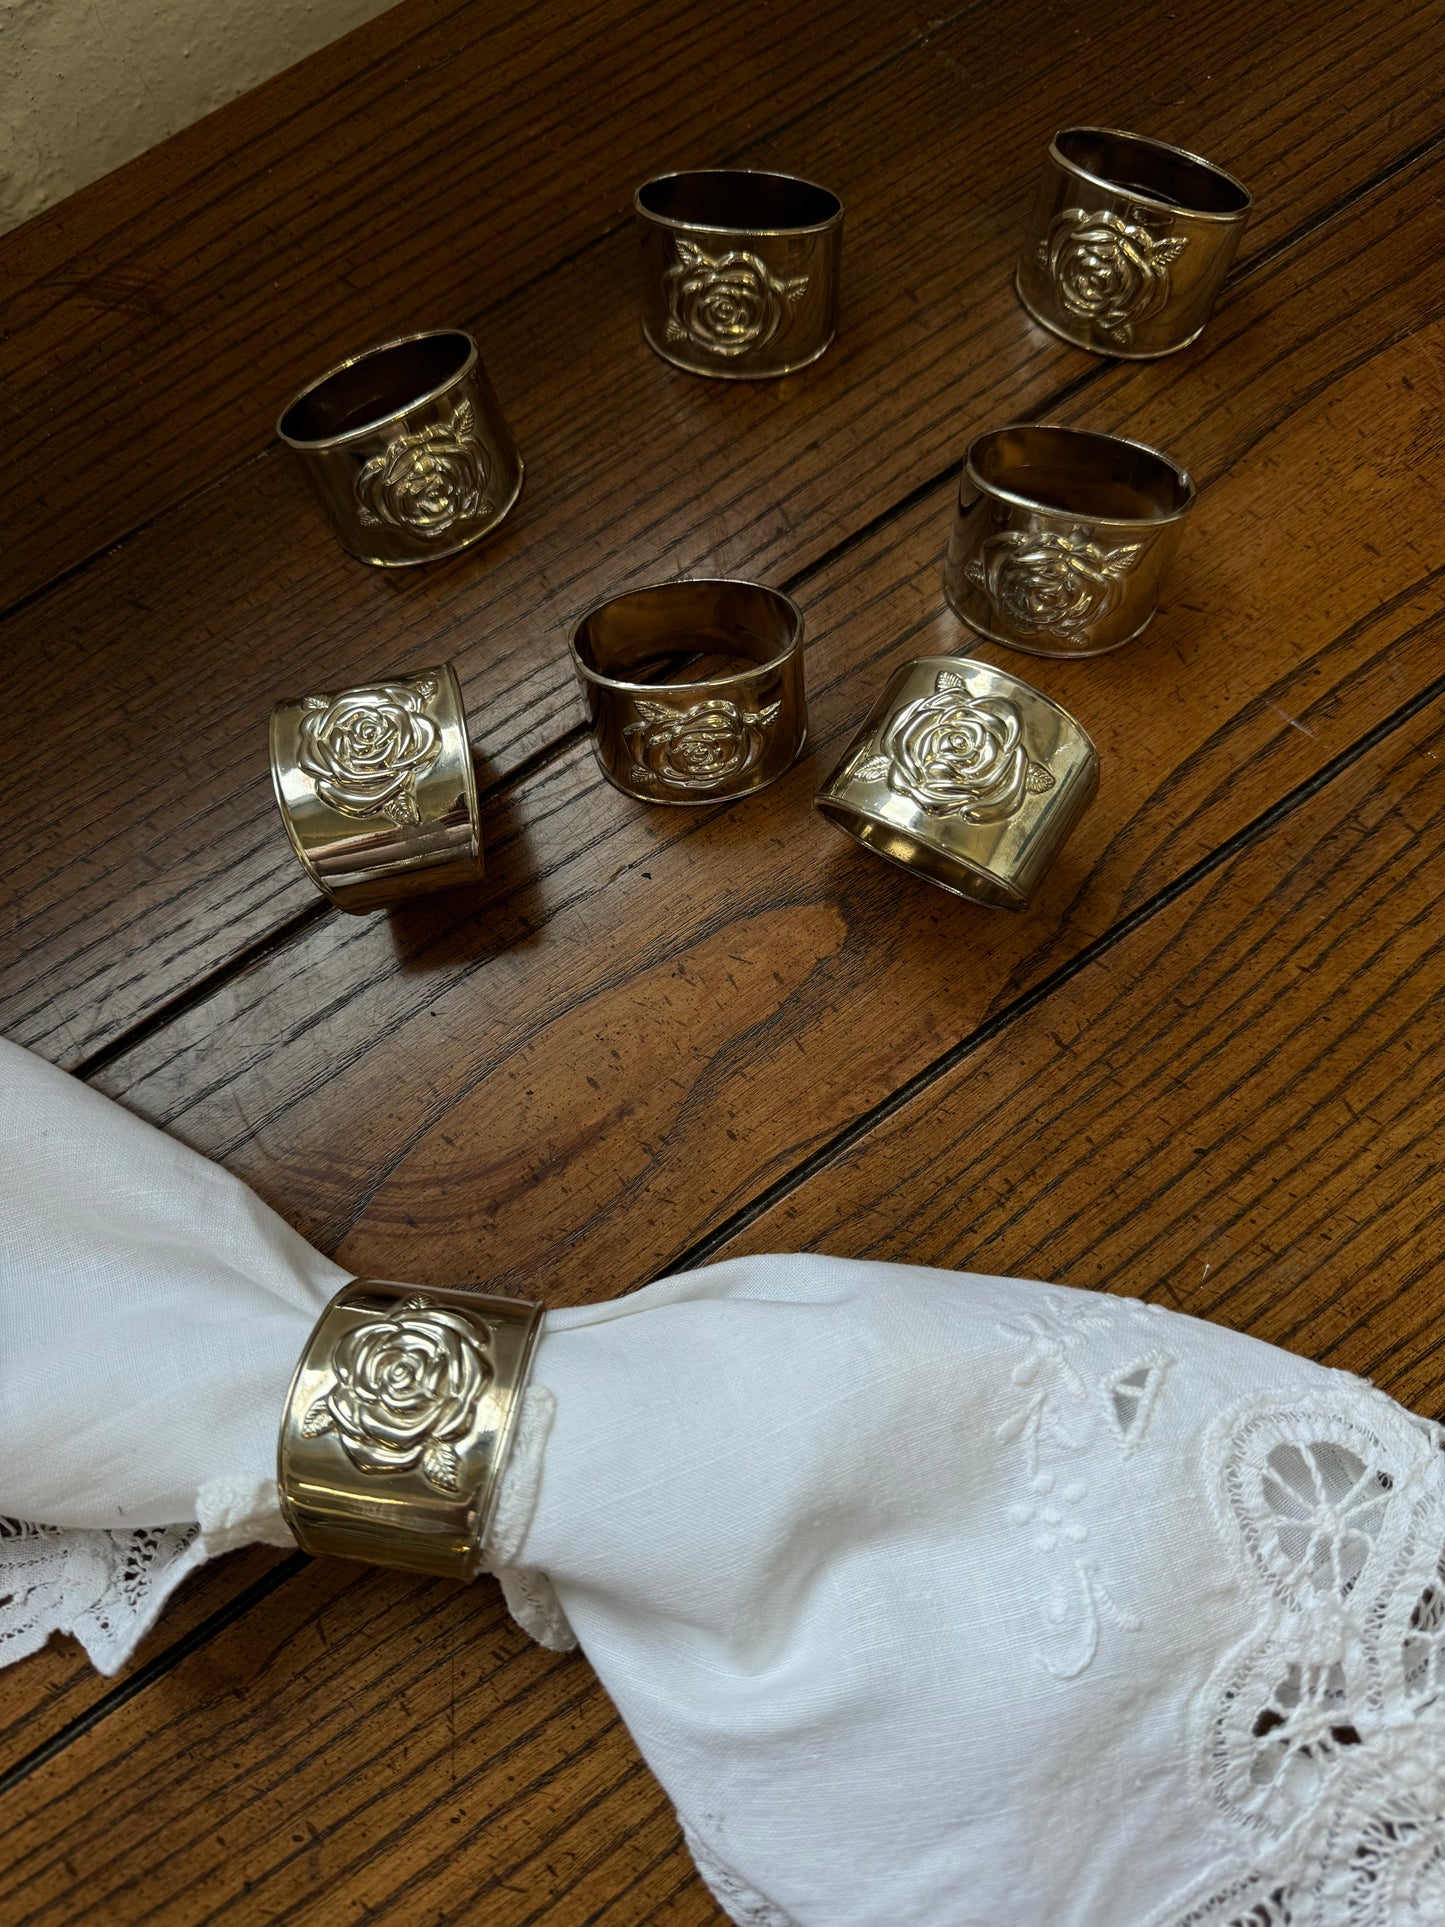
[(965, 776), (739, 271), (407, 448), (730, 716), (398, 1423), (1061, 538), (376, 788), (1129, 242)]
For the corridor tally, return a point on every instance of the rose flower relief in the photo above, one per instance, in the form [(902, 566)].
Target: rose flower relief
[(404, 1389), (1050, 581), (711, 742), (365, 750), (1110, 271), (729, 304), (956, 754), (426, 482)]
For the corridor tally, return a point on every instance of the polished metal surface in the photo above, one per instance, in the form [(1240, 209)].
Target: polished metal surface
[(739, 271), (694, 688), (399, 1421), (376, 788), (965, 776), (1061, 538), (1129, 242), (407, 449)]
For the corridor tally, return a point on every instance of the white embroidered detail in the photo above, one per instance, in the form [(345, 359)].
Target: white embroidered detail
[(740, 1902), (1132, 1398), (104, 1588), (1322, 1749), (1053, 1417), (1089, 1603), (1052, 1406)]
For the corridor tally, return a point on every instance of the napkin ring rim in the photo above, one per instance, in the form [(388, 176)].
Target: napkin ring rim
[(399, 1421)]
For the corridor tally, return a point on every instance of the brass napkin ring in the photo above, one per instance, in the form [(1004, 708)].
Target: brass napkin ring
[(1129, 242), (1061, 538), (376, 788), (739, 271), (407, 448), (398, 1424), (965, 776), (701, 735)]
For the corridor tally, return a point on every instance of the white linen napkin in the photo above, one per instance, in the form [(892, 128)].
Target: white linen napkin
[(933, 1600)]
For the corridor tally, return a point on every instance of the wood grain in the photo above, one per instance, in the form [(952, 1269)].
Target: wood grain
[(656, 1014), (1237, 1109), (425, 167), (156, 858), (1236, 1106)]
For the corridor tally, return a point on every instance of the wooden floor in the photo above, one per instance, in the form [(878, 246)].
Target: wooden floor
[(1207, 1067)]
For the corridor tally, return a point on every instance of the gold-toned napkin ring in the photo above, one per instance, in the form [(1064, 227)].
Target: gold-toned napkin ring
[(1129, 242), (967, 777), (377, 790), (399, 1421), (407, 449), (666, 728), (740, 271), (1061, 538)]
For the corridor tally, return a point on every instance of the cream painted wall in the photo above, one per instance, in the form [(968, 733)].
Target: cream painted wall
[(87, 84)]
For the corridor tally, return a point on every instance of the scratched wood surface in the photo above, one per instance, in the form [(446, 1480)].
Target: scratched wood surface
[(156, 858), (1205, 1067)]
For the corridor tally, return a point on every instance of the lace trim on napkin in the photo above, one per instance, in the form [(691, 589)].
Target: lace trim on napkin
[(530, 1597), (104, 1588), (740, 1902), (1321, 1751)]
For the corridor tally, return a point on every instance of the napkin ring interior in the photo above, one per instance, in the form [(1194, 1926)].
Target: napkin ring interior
[(740, 271), (407, 449), (1129, 242), (1061, 538), (694, 688), (398, 1424), (967, 777), (377, 790)]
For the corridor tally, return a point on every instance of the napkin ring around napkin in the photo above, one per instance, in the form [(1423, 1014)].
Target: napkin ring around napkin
[(376, 788), (1129, 242), (965, 776), (1061, 538), (730, 716), (407, 449), (740, 271), (398, 1424)]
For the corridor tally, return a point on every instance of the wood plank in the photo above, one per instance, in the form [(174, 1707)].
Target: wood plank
[(1236, 1108), (427, 165), (155, 858), (656, 1014)]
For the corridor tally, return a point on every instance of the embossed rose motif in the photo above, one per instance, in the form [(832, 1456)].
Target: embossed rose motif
[(727, 305), (426, 482), (1043, 581), (404, 1388), (365, 749), (697, 748), (955, 754), (1109, 270)]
